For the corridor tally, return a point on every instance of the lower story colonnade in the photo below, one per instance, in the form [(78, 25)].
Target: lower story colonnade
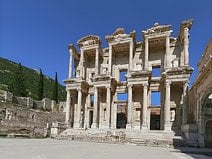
[(102, 108)]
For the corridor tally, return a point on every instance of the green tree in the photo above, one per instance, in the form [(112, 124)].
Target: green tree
[(40, 86), (18, 85), (55, 91)]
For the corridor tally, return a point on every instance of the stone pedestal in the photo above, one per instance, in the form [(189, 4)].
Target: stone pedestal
[(144, 127), (76, 125), (129, 126), (190, 132), (94, 125)]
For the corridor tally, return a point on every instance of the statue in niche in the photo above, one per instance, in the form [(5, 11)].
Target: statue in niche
[(139, 65), (104, 71), (172, 115), (78, 73)]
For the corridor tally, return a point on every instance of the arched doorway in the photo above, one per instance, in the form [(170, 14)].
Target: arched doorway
[(208, 134), (205, 129)]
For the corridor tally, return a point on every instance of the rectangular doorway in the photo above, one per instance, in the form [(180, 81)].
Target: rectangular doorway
[(90, 118)]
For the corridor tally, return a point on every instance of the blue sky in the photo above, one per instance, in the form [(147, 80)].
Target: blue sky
[(37, 32)]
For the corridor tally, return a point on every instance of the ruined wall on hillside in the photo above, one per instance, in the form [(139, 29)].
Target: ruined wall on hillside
[(25, 116)]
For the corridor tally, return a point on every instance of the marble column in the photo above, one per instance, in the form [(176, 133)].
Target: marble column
[(129, 108), (185, 106), (186, 44), (149, 110), (95, 109), (108, 115), (167, 124), (146, 54), (144, 112), (168, 60), (162, 98), (70, 64), (68, 105), (78, 111), (110, 60), (82, 63), (130, 57), (97, 62), (87, 111)]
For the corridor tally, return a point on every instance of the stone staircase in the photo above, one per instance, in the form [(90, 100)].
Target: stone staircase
[(150, 138)]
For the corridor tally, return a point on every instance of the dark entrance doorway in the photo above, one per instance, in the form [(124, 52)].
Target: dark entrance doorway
[(155, 119), (208, 134), (90, 118), (121, 117)]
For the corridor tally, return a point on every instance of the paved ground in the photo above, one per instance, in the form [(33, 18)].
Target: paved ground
[(61, 149)]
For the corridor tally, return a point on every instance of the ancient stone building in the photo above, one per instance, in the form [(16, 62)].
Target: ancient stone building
[(199, 129), (113, 87)]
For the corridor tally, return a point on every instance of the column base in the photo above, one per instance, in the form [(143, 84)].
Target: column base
[(144, 127), (129, 127), (94, 126), (105, 126), (167, 127), (136, 127), (68, 124), (76, 125)]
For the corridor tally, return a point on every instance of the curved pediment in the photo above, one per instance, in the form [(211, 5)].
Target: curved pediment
[(119, 31), (119, 35), (157, 29), (89, 40)]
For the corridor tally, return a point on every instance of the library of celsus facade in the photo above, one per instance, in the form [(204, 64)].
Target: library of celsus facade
[(117, 86)]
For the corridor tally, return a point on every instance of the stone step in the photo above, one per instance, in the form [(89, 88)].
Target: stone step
[(159, 138)]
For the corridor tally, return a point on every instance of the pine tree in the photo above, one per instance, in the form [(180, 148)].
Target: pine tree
[(55, 91), (18, 85), (40, 86)]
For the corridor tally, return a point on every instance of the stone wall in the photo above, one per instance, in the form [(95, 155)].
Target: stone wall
[(45, 104), (23, 116), (20, 120)]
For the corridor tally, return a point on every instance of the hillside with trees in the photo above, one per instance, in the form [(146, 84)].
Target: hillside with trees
[(32, 81)]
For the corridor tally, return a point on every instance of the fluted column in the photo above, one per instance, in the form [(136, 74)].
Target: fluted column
[(146, 54), (70, 64), (129, 108), (168, 60), (144, 112), (186, 43), (68, 105), (185, 106), (167, 124), (78, 111), (130, 57), (97, 62), (110, 60), (108, 117), (82, 63), (95, 109)]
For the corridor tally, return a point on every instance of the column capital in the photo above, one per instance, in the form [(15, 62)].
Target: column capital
[(110, 46), (145, 84), (168, 83), (186, 30), (79, 89), (70, 52), (107, 87), (129, 85), (146, 37), (186, 82), (169, 33), (131, 43)]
